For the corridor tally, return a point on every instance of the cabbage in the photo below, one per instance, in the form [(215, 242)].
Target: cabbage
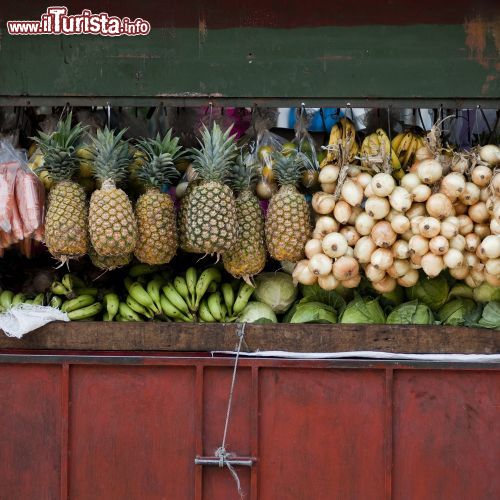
[(461, 290), (313, 312), (432, 292), (486, 293), (276, 290), (257, 312), (394, 298), (314, 293), (363, 310), (456, 311), (491, 316), (411, 313)]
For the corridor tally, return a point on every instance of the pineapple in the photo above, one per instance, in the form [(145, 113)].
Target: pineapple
[(182, 222), (155, 211), (288, 223), (112, 224), (66, 219), (248, 257), (209, 210), (109, 263)]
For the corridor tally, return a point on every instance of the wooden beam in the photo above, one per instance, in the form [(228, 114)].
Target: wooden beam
[(102, 336)]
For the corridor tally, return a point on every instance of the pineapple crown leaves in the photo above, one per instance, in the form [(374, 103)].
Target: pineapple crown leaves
[(289, 168), (158, 168), (59, 149), (244, 174), (214, 159), (111, 155)]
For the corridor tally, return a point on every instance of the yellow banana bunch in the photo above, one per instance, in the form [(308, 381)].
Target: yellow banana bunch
[(406, 144), (378, 145), (342, 136)]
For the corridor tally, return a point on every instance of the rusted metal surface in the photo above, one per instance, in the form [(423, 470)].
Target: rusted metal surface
[(102, 336), (317, 429)]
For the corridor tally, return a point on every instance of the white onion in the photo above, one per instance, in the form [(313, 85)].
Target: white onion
[(302, 274), (349, 252), (453, 258), (329, 188), (460, 164), (406, 236), (320, 264), (484, 194), (352, 282), (478, 212), (364, 224), (363, 179), (490, 154), (382, 258), (439, 206), (383, 184), (342, 211), (429, 227), (429, 171), (354, 215), (493, 267), (312, 248), (432, 264), (328, 282), (400, 224), (490, 246), (475, 278), (363, 249), (495, 226), (471, 194), (368, 190), (439, 245), (458, 242), (472, 241), (334, 245), (377, 207), (400, 199), (353, 171), (453, 184), (481, 175), (329, 174), (471, 259), (323, 203), (460, 208), (401, 249), (326, 225), (350, 234), (409, 279), (495, 183), (465, 224), (415, 210), (352, 192), (418, 245), (345, 268), (449, 227), (399, 268), (383, 235), (410, 181), (385, 285), (415, 223), (459, 272), (421, 193), (415, 261), (491, 279), (423, 153), (374, 274), (482, 230)]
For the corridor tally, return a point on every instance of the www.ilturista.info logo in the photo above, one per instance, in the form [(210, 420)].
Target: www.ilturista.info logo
[(56, 21)]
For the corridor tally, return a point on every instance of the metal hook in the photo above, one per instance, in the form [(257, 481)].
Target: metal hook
[(109, 114)]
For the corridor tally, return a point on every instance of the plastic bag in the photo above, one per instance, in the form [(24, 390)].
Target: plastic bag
[(304, 142), (24, 318), (22, 198)]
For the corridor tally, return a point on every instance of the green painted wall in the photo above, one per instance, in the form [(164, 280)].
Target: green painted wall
[(432, 61)]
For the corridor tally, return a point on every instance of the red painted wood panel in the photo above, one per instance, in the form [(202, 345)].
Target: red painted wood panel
[(446, 435), (322, 434), (30, 430), (218, 483), (132, 433)]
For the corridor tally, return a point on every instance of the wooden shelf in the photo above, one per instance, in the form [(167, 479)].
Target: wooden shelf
[(102, 336)]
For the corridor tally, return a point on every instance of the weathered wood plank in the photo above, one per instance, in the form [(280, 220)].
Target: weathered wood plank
[(101, 336)]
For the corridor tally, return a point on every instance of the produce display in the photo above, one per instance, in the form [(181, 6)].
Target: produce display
[(366, 229)]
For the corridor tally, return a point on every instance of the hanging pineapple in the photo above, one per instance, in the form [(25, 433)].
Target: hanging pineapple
[(155, 211), (288, 223), (66, 219), (109, 263), (209, 210), (112, 224), (248, 256)]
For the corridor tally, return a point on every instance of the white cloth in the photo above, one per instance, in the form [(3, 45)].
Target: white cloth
[(24, 318)]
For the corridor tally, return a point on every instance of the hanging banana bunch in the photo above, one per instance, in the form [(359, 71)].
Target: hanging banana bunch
[(342, 138)]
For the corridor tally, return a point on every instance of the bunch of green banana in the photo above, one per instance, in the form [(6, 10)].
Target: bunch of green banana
[(342, 137), (71, 287), (378, 145), (83, 307), (406, 144), (10, 299)]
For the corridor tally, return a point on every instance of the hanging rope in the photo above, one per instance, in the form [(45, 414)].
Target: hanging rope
[(221, 453)]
